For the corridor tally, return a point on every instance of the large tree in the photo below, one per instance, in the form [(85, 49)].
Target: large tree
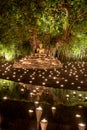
[(25, 24), (66, 22)]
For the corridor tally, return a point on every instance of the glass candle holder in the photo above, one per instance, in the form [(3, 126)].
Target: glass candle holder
[(82, 126), (43, 124)]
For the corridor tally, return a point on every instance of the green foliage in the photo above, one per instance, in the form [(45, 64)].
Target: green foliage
[(75, 97), (9, 89), (51, 20), (13, 91), (6, 51), (48, 20)]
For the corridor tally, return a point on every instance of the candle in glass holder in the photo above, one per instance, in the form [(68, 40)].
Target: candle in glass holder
[(30, 112), (82, 126), (80, 106), (38, 113), (36, 103), (74, 93), (67, 96), (5, 97), (78, 115), (43, 124), (80, 96), (53, 110)]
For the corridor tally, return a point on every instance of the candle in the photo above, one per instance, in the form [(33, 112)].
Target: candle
[(53, 110), (36, 103), (67, 96), (43, 124), (39, 108), (74, 92), (80, 106), (78, 116), (30, 112), (5, 97), (80, 95), (38, 113), (44, 121), (81, 126)]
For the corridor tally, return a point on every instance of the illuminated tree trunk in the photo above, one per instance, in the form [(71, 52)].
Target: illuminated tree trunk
[(33, 40)]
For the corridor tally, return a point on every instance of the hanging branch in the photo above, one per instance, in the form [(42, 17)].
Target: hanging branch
[(75, 20)]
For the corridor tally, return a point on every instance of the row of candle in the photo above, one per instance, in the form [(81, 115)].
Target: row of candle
[(44, 122), (60, 78), (40, 109)]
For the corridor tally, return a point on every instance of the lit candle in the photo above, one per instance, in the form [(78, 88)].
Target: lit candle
[(36, 103), (78, 116), (67, 96), (74, 92), (38, 113), (31, 94), (5, 98), (80, 95), (44, 121), (30, 112), (22, 89), (81, 126), (34, 91), (53, 110), (80, 106), (43, 124)]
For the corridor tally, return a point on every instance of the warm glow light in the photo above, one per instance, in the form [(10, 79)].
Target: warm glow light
[(44, 121), (67, 96), (5, 98), (22, 89), (30, 111), (41, 61), (39, 108), (36, 103), (53, 110), (78, 116), (80, 106), (82, 125)]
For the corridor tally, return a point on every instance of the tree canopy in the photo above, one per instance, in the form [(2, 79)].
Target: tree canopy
[(58, 24)]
